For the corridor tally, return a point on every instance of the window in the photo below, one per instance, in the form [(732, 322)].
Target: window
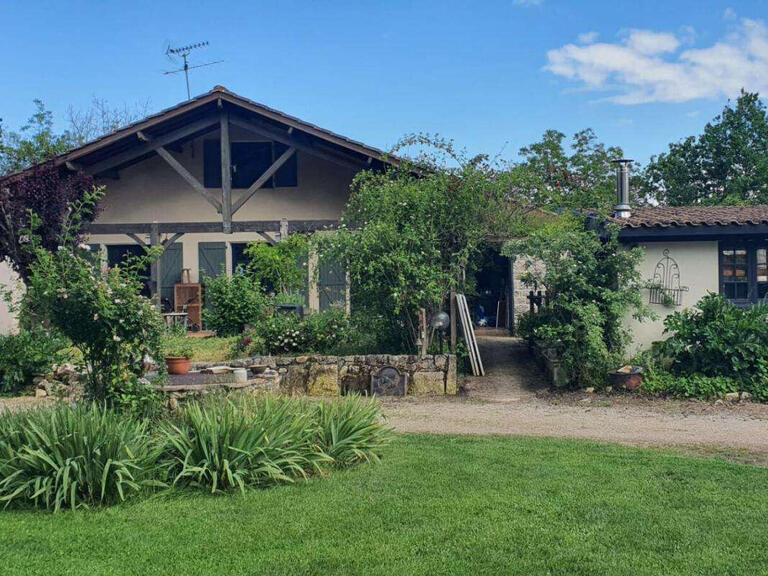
[(734, 273), (744, 272), (249, 161)]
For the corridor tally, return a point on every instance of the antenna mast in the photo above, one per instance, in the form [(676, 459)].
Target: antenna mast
[(184, 52)]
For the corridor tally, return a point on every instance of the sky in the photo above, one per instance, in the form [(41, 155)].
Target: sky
[(492, 76)]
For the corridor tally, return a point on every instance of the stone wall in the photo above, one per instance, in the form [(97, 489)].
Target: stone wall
[(520, 266), (335, 375)]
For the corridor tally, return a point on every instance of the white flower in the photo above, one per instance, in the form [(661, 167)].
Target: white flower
[(116, 300), (116, 338), (95, 316), (60, 248), (84, 246)]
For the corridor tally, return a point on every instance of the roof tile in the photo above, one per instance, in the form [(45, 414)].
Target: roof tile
[(676, 216)]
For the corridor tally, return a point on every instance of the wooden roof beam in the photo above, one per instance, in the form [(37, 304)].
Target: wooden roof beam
[(294, 141), (150, 146), (191, 180), (261, 180)]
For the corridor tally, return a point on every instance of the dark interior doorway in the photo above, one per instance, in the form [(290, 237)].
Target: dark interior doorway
[(489, 305)]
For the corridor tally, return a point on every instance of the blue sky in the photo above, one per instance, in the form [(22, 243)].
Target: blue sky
[(490, 75)]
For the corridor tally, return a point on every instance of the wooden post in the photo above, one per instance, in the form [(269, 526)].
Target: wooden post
[(452, 305), (156, 283), (226, 174), (283, 229)]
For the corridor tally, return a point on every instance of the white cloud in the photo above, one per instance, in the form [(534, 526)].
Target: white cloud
[(587, 37), (649, 66), (528, 2)]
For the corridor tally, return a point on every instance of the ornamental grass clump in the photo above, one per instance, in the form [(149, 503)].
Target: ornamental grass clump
[(350, 430), (224, 444), (65, 457)]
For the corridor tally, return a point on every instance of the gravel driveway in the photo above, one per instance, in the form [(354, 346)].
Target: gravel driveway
[(513, 398)]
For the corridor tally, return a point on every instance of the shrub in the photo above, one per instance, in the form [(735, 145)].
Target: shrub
[(65, 457), (222, 445), (718, 339), (349, 430), (26, 354), (282, 268), (326, 332), (101, 312), (591, 283), (233, 303), (179, 346), (693, 386)]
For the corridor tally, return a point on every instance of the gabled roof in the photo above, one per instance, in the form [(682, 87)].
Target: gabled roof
[(166, 120), (685, 216)]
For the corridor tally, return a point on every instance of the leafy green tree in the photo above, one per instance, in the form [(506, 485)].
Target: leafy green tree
[(35, 142), (409, 235), (577, 177), (726, 164)]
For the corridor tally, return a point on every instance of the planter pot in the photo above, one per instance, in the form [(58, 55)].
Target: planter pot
[(627, 380), (177, 364)]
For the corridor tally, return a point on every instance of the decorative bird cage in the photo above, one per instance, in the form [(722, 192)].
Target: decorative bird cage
[(665, 287)]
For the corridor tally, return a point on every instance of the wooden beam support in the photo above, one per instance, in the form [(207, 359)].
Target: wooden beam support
[(267, 238), (148, 147), (226, 174), (169, 241), (143, 137), (191, 180), (136, 239), (73, 166), (155, 269), (208, 227), (284, 157), (283, 229), (300, 144)]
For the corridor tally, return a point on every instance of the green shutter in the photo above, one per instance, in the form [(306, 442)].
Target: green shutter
[(212, 256), (332, 284), (170, 269)]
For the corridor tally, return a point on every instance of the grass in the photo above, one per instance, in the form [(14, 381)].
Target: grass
[(214, 349), (435, 505)]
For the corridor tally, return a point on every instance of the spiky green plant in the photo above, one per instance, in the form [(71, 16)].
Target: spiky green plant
[(224, 444), (72, 457), (350, 430)]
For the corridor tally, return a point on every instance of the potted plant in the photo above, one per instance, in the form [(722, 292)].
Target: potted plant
[(178, 354)]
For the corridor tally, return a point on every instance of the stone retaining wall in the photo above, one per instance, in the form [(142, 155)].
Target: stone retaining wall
[(334, 375)]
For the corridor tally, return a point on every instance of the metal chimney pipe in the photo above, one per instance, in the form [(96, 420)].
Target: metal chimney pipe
[(623, 209)]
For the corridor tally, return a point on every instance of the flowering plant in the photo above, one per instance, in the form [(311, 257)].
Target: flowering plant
[(101, 312)]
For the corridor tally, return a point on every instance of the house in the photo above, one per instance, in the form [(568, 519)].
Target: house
[(204, 178), (690, 251)]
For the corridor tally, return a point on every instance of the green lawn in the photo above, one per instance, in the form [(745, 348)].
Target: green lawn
[(435, 505)]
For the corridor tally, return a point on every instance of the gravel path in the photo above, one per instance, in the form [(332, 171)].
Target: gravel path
[(513, 398)]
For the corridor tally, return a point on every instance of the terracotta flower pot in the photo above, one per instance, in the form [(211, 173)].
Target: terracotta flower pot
[(177, 364)]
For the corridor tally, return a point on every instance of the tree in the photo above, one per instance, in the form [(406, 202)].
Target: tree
[(555, 179), (409, 235), (47, 192), (101, 118), (726, 164), (35, 142)]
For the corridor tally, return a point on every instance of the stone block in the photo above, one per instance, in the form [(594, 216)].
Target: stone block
[(451, 376), (323, 380), (294, 380), (427, 383)]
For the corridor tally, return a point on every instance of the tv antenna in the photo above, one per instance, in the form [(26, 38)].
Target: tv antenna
[(184, 52)]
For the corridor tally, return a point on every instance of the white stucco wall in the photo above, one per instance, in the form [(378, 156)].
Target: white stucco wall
[(8, 280), (698, 264)]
